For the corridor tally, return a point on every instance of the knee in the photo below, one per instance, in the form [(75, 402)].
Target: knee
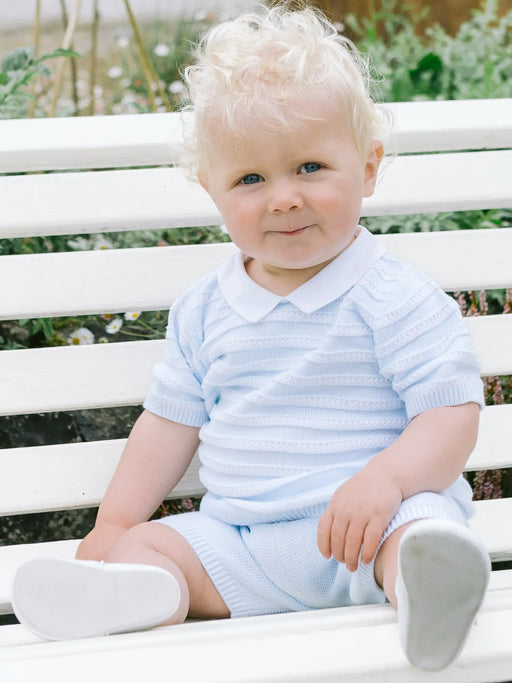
[(127, 545)]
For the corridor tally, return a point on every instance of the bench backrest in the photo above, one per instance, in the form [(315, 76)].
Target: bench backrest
[(129, 183)]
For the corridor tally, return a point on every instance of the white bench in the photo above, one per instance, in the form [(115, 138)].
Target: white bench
[(347, 644)]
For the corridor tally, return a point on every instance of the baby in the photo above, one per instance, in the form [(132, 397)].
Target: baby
[(331, 389)]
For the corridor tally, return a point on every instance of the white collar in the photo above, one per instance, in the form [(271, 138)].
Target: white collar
[(253, 302)]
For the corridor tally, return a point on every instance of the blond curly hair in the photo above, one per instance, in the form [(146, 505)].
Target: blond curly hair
[(260, 67)]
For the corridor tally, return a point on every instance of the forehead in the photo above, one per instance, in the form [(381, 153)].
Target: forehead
[(252, 134)]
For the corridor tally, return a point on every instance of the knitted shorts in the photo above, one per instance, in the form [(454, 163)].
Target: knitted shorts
[(277, 567)]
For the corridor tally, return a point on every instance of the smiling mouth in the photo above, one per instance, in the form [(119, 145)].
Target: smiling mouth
[(297, 231)]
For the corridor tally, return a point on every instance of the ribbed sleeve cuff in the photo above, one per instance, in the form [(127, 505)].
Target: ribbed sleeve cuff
[(453, 394), (183, 413)]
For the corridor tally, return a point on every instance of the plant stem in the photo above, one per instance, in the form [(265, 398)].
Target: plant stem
[(94, 57), (144, 57), (150, 75), (139, 335), (66, 42), (72, 63), (37, 44)]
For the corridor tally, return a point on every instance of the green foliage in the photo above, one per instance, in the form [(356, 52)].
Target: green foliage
[(170, 46), (406, 65), (19, 68), (461, 220), (477, 63)]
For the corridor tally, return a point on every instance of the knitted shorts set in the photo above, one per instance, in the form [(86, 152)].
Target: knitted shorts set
[(293, 395)]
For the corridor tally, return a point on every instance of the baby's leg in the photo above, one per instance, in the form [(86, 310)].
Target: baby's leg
[(161, 546), (151, 577), (435, 573), (386, 563)]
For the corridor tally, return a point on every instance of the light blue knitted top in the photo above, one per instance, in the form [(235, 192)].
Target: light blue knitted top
[(295, 394)]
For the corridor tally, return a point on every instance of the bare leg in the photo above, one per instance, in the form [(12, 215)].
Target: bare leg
[(161, 546), (150, 576), (386, 563)]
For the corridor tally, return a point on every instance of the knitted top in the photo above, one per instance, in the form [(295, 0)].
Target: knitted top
[(295, 394)]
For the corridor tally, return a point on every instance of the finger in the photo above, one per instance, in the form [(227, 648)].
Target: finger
[(324, 534), (372, 536), (339, 530), (353, 543)]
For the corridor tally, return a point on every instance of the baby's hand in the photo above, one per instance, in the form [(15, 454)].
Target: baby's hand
[(97, 543), (356, 517)]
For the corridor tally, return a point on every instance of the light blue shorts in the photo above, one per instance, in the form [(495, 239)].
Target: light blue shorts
[(277, 567)]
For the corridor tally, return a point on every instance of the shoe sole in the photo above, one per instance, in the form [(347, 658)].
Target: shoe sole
[(65, 599), (444, 572)]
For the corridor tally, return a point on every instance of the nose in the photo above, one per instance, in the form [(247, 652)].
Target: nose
[(284, 197)]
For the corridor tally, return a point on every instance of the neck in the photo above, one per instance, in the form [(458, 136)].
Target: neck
[(281, 281)]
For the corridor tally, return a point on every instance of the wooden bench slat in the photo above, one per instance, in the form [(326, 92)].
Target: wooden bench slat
[(334, 654), (499, 588), (74, 203), (59, 477), (493, 449), (312, 649), (102, 375), (490, 524), (89, 142), (155, 139), (460, 259), (158, 275), (69, 476), (452, 124), (433, 183), (492, 335), (75, 377), (321, 645)]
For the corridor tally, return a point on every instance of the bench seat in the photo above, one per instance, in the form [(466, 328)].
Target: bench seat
[(328, 645), (93, 175)]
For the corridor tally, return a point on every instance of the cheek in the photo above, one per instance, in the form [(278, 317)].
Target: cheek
[(342, 201), (240, 215), (349, 195)]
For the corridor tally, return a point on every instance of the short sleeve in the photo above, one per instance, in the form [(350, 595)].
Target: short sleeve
[(424, 348), (176, 392)]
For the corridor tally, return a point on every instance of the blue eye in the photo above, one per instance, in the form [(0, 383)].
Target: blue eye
[(310, 167), (251, 179)]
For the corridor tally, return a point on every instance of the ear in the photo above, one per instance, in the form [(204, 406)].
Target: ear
[(371, 168)]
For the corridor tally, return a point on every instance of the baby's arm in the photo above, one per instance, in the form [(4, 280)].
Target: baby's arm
[(156, 456), (428, 456)]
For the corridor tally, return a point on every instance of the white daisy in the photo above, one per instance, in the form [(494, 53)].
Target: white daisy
[(115, 72), (114, 326), (80, 244), (132, 315), (101, 242), (81, 336), (161, 50), (176, 87)]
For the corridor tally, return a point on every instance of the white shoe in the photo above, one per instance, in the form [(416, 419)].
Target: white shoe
[(443, 572), (61, 599)]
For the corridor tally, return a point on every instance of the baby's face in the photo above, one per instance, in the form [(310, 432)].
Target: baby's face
[(291, 200)]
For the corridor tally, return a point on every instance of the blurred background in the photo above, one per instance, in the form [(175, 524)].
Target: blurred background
[(129, 53)]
